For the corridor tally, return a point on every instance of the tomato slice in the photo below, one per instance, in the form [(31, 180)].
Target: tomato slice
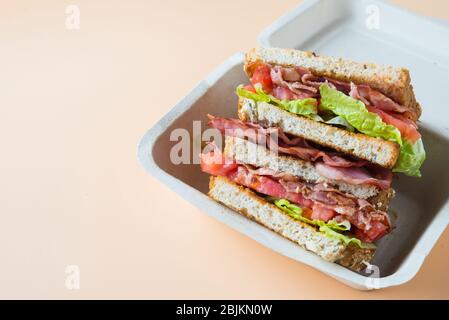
[(262, 75), (320, 212), (249, 87), (377, 231), (216, 164), (307, 213)]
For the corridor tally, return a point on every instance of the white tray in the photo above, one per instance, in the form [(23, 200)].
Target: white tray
[(335, 28)]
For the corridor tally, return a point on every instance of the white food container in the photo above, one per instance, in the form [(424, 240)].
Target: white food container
[(361, 30)]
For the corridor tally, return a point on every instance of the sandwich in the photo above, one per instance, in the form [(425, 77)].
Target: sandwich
[(314, 149)]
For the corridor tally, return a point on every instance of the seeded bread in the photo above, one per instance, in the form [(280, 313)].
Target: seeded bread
[(247, 152), (308, 237), (376, 150), (391, 81)]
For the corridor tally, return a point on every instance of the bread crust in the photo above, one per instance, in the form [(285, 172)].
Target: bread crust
[(391, 81), (250, 205), (382, 152), (381, 201)]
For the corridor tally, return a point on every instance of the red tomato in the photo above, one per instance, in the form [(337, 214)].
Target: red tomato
[(262, 75), (307, 213), (377, 231), (267, 186), (249, 87), (214, 163), (322, 213), (300, 200)]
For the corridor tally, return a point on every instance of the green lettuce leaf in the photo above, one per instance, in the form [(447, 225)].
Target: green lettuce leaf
[(411, 157), (330, 233), (304, 107), (330, 228), (292, 210), (259, 96), (356, 114), (339, 121), (340, 226)]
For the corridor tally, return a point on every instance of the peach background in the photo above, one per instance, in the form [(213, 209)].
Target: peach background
[(73, 107)]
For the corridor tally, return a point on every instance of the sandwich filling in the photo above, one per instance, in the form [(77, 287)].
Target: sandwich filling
[(337, 214), (328, 163), (354, 107)]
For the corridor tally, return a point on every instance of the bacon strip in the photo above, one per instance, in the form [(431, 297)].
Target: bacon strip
[(294, 83), (379, 100), (355, 175), (270, 173), (303, 151), (354, 93)]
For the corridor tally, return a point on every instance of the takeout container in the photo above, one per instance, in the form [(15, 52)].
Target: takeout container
[(336, 28)]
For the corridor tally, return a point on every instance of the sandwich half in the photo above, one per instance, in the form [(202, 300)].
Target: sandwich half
[(313, 152), (363, 109), (255, 207)]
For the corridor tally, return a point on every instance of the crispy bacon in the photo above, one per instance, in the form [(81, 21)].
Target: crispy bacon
[(271, 173), (355, 175), (344, 87), (287, 74), (292, 82), (354, 93), (311, 80), (305, 152), (286, 94), (379, 100)]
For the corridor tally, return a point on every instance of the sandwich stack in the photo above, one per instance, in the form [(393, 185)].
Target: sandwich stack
[(314, 149)]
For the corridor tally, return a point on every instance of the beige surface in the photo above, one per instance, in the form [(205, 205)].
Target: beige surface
[(73, 107)]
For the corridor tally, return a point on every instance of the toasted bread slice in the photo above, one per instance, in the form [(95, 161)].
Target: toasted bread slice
[(391, 81), (376, 150), (247, 203), (244, 151)]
